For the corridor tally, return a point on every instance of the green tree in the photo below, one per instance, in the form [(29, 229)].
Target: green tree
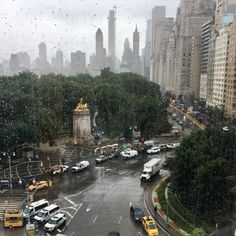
[(200, 170), (198, 232)]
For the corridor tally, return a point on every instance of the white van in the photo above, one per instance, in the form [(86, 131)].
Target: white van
[(45, 214), (34, 208), (129, 154)]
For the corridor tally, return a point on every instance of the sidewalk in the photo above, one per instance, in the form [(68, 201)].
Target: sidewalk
[(163, 215)]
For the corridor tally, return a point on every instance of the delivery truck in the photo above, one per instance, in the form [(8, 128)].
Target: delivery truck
[(150, 169)]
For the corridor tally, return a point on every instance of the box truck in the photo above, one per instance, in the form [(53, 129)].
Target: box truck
[(150, 169)]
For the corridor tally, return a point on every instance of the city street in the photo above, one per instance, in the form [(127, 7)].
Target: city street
[(97, 200)]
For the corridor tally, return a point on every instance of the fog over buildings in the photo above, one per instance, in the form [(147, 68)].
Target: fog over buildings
[(185, 46), (69, 26)]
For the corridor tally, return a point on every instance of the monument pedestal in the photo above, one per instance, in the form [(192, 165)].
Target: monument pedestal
[(82, 127)]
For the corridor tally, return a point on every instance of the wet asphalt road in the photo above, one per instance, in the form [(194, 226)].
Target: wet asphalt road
[(97, 200)]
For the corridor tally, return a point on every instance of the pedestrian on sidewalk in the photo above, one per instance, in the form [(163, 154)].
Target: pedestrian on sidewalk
[(155, 209)]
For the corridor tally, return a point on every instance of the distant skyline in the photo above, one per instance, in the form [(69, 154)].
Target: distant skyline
[(71, 24)]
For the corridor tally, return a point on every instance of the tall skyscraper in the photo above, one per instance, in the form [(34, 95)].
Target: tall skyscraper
[(14, 66), (158, 13), (136, 62), (59, 60), (24, 60), (100, 51), (42, 66), (1, 69), (230, 94), (112, 38), (204, 57), (127, 54), (220, 69), (147, 50), (193, 14), (163, 30), (78, 63), (43, 53)]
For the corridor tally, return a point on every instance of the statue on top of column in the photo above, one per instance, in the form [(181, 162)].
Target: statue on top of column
[(81, 105)]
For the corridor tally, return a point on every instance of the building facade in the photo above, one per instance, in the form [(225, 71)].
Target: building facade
[(230, 83), (112, 39), (78, 63), (136, 62), (220, 69)]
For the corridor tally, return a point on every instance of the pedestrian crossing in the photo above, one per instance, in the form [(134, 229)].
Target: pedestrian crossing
[(4, 205)]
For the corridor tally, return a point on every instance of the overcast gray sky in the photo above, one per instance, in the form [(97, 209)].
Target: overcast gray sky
[(70, 24)]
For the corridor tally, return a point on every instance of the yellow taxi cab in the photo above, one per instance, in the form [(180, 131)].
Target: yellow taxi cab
[(13, 218), (150, 226), (39, 185)]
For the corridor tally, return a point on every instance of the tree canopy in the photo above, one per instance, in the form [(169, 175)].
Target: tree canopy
[(201, 170), (38, 109)]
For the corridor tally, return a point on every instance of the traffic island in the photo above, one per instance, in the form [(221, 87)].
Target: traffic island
[(166, 212)]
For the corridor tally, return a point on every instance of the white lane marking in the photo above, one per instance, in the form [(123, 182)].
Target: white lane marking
[(76, 194), (130, 173), (71, 202), (71, 218), (119, 220), (139, 233), (73, 208), (91, 219), (110, 169), (95, 218), (73, 151), (17, 172), (88, 209), (66, 213), (111, 185), (28, 169), (81, 153), (122, 172)]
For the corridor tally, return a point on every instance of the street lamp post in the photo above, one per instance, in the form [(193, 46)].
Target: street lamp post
[(6, 154), (27, 195)]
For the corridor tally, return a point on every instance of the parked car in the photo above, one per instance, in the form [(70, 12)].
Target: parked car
[(4, 183), (129, 154), (56, 170), (153, 150), (149, 226), (80, 166), (39, 185), (163, 147), (136, 213), (173, 145), (56, 221), (64, 168), (226, 129), (46, 213), (101, 158)]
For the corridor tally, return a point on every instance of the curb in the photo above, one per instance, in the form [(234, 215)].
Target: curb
[(162, 214)]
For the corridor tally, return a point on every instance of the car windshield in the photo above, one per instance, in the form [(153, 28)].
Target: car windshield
[(145, 172), (41, 214), (151, 226), (138, 212), (26, 210), (52, 221)]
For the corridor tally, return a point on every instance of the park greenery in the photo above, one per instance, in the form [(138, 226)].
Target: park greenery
[(202, 174), (40, 109)]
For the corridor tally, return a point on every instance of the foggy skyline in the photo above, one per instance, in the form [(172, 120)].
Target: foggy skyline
[(71, 24)]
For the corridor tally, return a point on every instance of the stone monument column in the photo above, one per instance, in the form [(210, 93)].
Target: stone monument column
[(81, 124)]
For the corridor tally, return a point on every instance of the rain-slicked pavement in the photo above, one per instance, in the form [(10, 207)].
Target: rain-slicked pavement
[(97, 200)]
